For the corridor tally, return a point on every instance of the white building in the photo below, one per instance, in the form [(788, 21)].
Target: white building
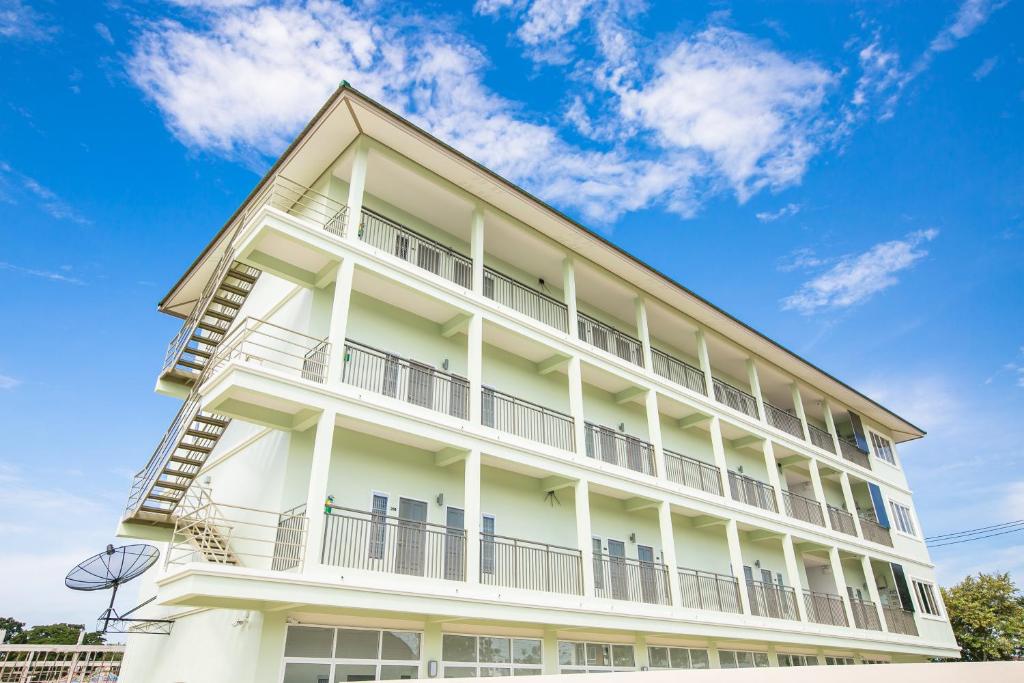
[(432, 427)]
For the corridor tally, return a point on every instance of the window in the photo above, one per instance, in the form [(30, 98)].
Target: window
[(883, 448), (379, 526), (902, 518), (487, 547), (839, 661), (742, 659), (578, 657), (926, 597), (472, 656), (875, 661), (318, 654), (798, 660), (677, 658)]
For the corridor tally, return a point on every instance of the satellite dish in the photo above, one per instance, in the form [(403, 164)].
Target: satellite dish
[(110, 569)]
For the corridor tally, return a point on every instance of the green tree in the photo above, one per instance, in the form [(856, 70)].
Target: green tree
[(12, 626), (987, 616), (56, 634)]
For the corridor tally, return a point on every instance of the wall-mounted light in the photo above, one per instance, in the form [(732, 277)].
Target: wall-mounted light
[(757, 563), (432, 668), (740, 469), (440, 499), (632, 537), (445, 365), (622, 426)]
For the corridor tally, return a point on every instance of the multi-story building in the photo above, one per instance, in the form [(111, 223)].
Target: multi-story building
[(434, 428)]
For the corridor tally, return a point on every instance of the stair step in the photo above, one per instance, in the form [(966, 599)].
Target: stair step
[(163, 498), (171, 485), (235, 289), (217, 314), (199, 434), (209, 341), (197, 352), (191, 364), (210, 420), (194, 447), (229, 303), (189, 462), (238, 270), (153, 511)]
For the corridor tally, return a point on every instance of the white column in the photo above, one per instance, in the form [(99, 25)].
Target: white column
[(840, 578), (475, 369), (584, 535), (819, 490), (851, 506), (705, 362), (654, 433), (569, 292), (869, 579), (471, 501), (718, 449), (755, 387), (576, 405), (798, 406), (773, 474), (793, 569), (549, 647), (830, 423), (732, 537), (356, 187), (668, 551), (642, 330), (316, 494), (476, 248), (339, 320)]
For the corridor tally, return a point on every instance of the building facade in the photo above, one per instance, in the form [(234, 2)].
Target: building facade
[(433, 428)]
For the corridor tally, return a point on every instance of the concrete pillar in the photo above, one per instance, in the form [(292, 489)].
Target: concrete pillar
[(705, 362), (569, 292), (584, 535), (840, 578), (793, 570), (339, 321), (549, 647), (869, 579), (471, 502), (798, 406), (773, 474), (732, 537), (668, 551), (654, 433), (718, 449), (476, 249), (755, 387), (851, 506), (316, 494), (475, 371), (643, 333), (576, 405), (271, 649), (356, 187), (830, 423), (433, 643), (819, 490), (642, 658)]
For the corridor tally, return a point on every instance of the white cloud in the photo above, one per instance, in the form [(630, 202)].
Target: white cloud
[(857, 277), (104, 32), (801, 259), (8, 382), (46, 198), (783, 212), (971, 15), (51, 275), (19, 21), (985, 68)]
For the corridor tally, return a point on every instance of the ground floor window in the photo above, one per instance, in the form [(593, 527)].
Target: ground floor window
[(320, 654), (875, 661), (742, 659), (471, 656), (798, 660), (577, 657), (839, 661), (677, 658)]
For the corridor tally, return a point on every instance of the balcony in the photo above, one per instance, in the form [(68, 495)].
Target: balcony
[(752, 492), (678, 371), (737, 399), (518, 563), (865, 616), (416, 383), (419, 250), (263, 344), (803, 508), (873, 531), (609, 339), (378, 542), (825, 608), (691, 472), (710, 591), (517, 416), (852, 452), (899, 620), (526, 300), (841, 520), (608, 445), (300, 201), (621, 578), (821, 438), (769, 600), (783, 421)]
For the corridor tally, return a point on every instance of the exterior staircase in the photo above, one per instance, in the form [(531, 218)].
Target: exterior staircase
[(211, 542)]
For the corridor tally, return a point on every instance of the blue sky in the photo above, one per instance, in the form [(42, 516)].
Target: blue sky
[(845, 178)]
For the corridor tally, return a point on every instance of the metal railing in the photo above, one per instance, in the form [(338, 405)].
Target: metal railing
[(61, 663), (873, 531), (752, 492), (710, 591), (737, 399), (258, 342), (518, 563), (408, 245), (770, 600), (623, 578), (526, 419), (417, 383), (371, 541), (865, 615), (825, 608), (682, 469), (783, 420), (821, 438), (679, 371), (899, 620), (526, 300), (607, 338), (852, 452), (611, 446), (803, 508), (298, 200), (841, 520)]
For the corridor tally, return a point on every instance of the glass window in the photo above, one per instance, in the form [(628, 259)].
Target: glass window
[(904, 521), (527, 651), (458, 648), (297, 672), (658, 657), (497, 655), (403, 645), (308, 641), (760, 659), (797, 660), (575, 657), (351, 655), (459, 671), (677, 658), (354, 672), (570, 654), (357, 644), (926, 597), (699, 659), (527, 672), (883, 448), (622, 655), (398, 672), (727, 659), (838, 661), (741, 659), (494, 650)]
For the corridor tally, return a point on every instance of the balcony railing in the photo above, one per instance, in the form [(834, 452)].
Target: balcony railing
[(517, 563), (682, 469), (372, 541), (710, 591), (842, 521), (770, 600), (622, 578), (528, 420), (297, 200), (852, 452), (865, 615), (825, 608), (783, 420), (678, 371), (422, 385), (608, 445), (801, 507), (607, 338), (526, 300), (752, 492), (899, 620), (873, 531), (737, 399), (258, 342), (821, 438), (408, 245)]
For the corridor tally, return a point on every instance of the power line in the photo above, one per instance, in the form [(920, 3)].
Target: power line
[(977, 538), (970, 532)]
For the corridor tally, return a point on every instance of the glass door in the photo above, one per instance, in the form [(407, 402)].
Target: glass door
[(411, 543)]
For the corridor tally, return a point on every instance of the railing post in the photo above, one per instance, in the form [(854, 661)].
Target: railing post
[(732, 537), (755, 389), (584, 536), (839, 576), (356, 187), (876, 598), (316, 494), (569, 293), (789, 552)]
